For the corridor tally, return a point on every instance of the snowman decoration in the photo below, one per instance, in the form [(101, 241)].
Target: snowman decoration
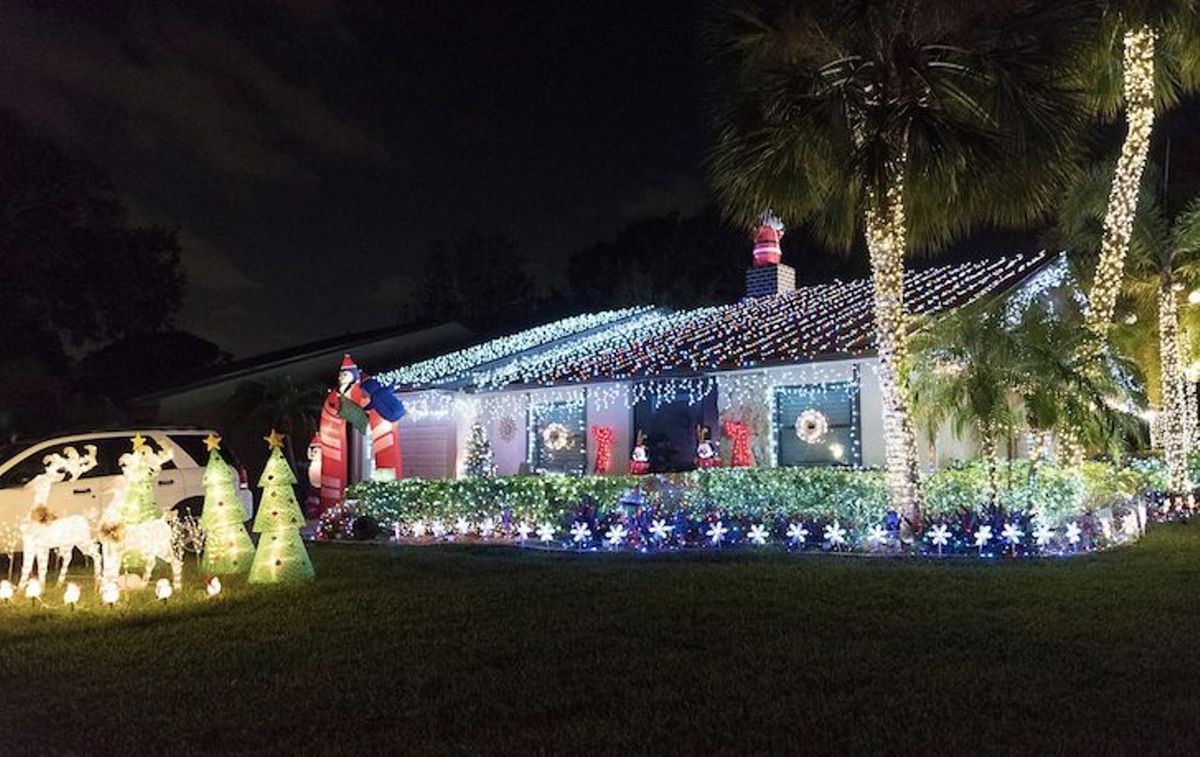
[(639, 461), (706, 449)]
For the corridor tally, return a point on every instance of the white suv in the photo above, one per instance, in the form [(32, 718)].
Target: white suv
[(179, 485)]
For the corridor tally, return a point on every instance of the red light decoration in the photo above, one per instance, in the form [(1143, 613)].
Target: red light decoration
[(604, 437), (740, 455)]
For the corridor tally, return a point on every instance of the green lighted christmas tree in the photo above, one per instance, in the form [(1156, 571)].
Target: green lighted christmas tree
[(480, 461), (227, 546), (140, 468), (281, 555)]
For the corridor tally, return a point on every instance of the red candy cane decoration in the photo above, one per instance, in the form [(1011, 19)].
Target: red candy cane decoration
[(741, 456), (604, 437)]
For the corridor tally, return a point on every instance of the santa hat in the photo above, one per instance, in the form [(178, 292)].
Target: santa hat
[(316, 441), (349, 365)]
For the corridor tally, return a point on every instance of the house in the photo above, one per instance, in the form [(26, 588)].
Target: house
[(796, 366)]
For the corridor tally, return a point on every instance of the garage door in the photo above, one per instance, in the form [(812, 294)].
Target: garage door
[(428, 446)]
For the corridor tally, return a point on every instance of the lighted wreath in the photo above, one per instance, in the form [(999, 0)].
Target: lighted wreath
[(508, 429), (556, 437), (811, 426)]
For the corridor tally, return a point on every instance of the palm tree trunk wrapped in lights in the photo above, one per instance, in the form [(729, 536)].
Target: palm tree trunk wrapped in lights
[(1138, 87), (885, 233), (1171, 430)]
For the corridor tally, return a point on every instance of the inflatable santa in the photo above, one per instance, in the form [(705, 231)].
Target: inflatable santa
[(359, 405), (639, 461)]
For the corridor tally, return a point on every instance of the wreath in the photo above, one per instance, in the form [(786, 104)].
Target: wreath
[(556, 437), (811, 426), (508, 429)]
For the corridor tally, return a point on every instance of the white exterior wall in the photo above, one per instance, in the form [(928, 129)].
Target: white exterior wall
[(620, 417), (744, 395)]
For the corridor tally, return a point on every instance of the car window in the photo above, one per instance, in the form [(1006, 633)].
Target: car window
[(24, 471), (108, 451), (193, 445)]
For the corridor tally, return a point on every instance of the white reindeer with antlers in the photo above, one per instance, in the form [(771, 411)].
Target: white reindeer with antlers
[(151, 540), (43, 531)]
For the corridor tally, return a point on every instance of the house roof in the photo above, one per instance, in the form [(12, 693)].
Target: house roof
[(808, 324)]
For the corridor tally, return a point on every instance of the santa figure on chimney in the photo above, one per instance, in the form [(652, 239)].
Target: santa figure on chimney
[(360, 404)]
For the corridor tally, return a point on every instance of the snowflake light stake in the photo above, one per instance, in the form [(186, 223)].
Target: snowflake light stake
[(797, 533), (616, 535), (877, 535), (438, 529), (982, 537), (580, 533), (545, 532), (462, 526), (1012, 534), (939, 535), (661, 530), (1073, 532), (1042, 534), (757, 534), (716, 533), (1129, 525), (418, 528), (487, 527), (835, 534), (524, 530)]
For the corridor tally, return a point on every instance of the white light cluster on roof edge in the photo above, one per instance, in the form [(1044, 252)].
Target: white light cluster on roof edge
[(457, 365), (790, 327), (534, 367)]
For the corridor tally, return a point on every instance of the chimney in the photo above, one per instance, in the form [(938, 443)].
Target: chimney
[(769, 275)]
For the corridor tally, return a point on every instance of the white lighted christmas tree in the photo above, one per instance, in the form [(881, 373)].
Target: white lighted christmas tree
[(227, 546), (281, 555), (480, 460)]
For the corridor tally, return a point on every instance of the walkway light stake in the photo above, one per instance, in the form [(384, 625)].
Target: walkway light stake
[(71, 595), (6, 591), (163, 590), (33, 591), (213, 586), (110, 592)]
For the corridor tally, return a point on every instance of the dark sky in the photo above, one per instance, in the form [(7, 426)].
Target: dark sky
[(310, 151)]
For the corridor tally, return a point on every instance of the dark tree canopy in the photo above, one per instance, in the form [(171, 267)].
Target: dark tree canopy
[(74, 275), (73, 272), (139, 363), (473, 278)]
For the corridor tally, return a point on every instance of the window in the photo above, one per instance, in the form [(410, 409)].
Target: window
[(557, 437), (24, 471), (817, 424), (668, 419)]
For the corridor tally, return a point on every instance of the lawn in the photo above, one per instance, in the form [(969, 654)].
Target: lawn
[(500, 650)]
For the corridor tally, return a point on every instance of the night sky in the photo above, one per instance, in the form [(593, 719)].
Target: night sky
[(310, 151)]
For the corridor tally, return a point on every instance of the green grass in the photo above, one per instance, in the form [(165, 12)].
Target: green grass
[(498, 650)]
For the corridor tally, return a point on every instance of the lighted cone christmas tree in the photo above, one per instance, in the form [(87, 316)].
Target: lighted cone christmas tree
[(281, 555), (140, 468), (227, 545), (480, 461)]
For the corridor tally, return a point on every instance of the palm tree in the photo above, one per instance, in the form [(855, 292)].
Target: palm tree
[(905, 121), (994, 370), (279, 402), (1148, 56), (965, 377), (1164, 260)]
